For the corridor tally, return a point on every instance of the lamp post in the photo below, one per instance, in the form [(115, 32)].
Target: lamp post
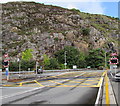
[(65, 59), (105, 60), (36, 66), (18, 60), (106, 51)]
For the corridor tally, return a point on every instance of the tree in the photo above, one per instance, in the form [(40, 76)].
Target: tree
[(96, 58), (46, 61), (72, 56), (27, 55), (14, 66), (27, 64), (53, 64), (81, 60)]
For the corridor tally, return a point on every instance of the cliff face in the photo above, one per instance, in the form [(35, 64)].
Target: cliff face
[(47, 29)]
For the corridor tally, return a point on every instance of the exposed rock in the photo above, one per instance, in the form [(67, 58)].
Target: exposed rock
[(47, 29)]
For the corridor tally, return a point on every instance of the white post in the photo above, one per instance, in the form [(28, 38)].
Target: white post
[(65, 60), (115, 66), (105, 60), (19, 66), (7, 73), (115, 71), (36, 67)]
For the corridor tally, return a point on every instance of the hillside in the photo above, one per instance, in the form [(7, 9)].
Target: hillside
[(47, 29)]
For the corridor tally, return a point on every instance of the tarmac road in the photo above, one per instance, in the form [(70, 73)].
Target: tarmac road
[(81, 88), (56, 95)]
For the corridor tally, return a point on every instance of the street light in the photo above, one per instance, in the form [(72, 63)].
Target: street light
[(106, 51), (65, 59), (105, 60), (36, 67), (18, 60)]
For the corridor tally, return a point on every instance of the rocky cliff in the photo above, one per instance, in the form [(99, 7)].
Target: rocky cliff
[(47, 29)]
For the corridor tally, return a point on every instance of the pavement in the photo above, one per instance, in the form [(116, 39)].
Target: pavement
[(108, 93)]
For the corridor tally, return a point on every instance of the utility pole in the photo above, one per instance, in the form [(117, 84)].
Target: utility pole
[(105, 60), (19, 66), (6, 65), (65, 59), (36, 66)]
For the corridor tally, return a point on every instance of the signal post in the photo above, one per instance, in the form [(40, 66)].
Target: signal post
[(6, 65), (113, 62)]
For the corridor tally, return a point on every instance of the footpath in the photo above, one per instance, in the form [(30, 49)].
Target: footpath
[(108, 97)]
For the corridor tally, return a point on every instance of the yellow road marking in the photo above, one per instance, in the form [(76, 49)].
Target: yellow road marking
[(74, 86), (21, 84), (101, 79), (106, 90), (57, 83), (79, 81), (74, 82), (85, 84), (38, 83), (6, 85)]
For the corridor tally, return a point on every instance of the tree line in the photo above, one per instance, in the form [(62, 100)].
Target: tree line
[(95, 58)]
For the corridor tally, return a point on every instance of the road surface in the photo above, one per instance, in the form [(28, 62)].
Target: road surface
[(66, 88)]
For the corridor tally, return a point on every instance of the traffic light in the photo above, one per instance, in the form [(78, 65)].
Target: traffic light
[(114, 61), (5, 63)]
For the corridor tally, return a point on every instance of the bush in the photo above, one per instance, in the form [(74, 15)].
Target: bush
[(27, 64), (75, 10), (85, 31), (14, 66), (56, 38), (62, 66), (53, 64)]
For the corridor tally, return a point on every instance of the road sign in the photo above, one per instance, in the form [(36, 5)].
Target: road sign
[(6, 63), (18, 60), (74, 67), (114, 61)]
